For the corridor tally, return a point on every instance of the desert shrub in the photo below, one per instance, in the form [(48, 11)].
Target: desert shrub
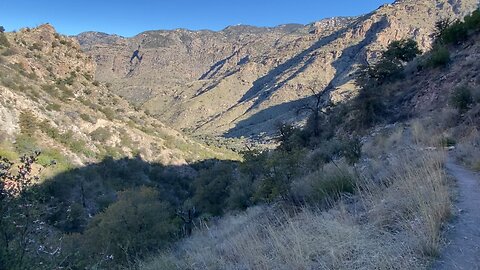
[(49, 130), (462, 98), (25, 144), (28, 123), (9, 51), (439, 57), (352, 150), (101, 134), (36, 47), (108, 112), (88, 118), (12, 83), (53, 107), (50, 89), (4, 41), (7, 152), (324, 185)]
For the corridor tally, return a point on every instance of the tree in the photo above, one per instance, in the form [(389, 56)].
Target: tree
[(404, 50), (316, 109), (137, 223)]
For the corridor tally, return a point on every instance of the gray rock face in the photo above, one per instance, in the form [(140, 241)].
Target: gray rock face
[(242, 80)]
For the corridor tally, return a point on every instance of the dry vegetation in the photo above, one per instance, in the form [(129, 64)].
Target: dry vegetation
[(394, 222)]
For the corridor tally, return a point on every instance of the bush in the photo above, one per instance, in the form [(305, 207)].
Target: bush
[(108, 112), (53, 107), (28, 123), (472, 21), (323, 185), (9, 52), (101, 134), (88, 118), (36, 47), (439, 57), (462, 98), (4, 41), (25, 144)]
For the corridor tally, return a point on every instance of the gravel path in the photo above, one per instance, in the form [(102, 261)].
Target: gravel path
[(463, 247)]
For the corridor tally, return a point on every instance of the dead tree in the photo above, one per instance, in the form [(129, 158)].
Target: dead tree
[(316, 109)]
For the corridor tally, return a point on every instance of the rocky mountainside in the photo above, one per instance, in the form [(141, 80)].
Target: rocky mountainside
[(242, 80), (49, 100)]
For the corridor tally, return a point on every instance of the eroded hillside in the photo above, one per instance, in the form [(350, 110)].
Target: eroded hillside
[(242, 80), (49, 99)]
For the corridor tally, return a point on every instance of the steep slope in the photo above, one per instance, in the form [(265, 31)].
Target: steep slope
[(242, 80), (48, 99)]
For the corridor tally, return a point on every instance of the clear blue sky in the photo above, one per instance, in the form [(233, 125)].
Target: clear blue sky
[(129, 18)]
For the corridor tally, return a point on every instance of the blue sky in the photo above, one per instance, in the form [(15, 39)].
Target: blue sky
[(129, 18)]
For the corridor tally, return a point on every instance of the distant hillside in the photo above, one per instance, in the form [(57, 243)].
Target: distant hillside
[(50, 100), (242, 80)]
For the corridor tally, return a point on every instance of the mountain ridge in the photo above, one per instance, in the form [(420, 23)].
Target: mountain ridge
[(216, 83)]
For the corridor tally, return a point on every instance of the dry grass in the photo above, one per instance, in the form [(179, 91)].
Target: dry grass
[(415, 199), (394, 223), (468, 150)]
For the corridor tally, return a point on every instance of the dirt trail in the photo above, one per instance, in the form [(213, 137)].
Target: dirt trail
[(463, 247)]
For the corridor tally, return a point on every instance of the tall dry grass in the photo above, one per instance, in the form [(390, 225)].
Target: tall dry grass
[(395, 223), (414, 198)]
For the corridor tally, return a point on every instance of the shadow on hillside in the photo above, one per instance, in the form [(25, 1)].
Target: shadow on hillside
[(95, 186), (265, 86), (265, 120)]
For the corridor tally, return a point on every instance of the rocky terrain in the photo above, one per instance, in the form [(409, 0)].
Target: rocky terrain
[(49, 99), (243, 80)]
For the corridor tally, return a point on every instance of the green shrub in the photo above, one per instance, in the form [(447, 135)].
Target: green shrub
[(4, 41), (439, 57), (25, 144), (28, 123), (108, 112), (101, 134), (325, 184), (334, 184), (8, 153), (53, 107), (472, 21), (462, 98), (456, 33), (36, 47), (49, 130), (88, 118)]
